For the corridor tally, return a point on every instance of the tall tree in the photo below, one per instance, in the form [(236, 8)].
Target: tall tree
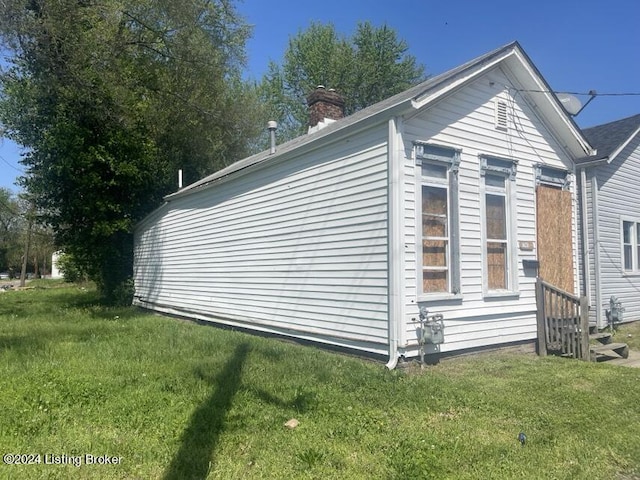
[(111, 98), (366, 68), (11, 226)]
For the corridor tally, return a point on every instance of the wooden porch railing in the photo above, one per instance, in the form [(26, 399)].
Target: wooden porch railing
[(563, 322)]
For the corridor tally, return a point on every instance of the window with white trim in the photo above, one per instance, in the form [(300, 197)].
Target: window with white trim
[(631, 246), (498, 224), (438, 256)]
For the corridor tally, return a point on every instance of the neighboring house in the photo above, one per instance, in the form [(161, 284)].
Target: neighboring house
[(443, 197), (610, 186)]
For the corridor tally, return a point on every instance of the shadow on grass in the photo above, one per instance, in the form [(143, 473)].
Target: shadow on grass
[(37, 319), (302, 402), (195, 456), (43, 338), (56, 302), (42, 301)]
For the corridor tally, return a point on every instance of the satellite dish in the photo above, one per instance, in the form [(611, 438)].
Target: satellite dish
[(571, 103)]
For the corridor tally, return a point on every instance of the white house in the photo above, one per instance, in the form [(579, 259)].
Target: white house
[(610, 182), (444, 198)]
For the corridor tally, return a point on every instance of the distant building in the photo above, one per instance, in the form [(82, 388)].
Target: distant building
[(55, 271)]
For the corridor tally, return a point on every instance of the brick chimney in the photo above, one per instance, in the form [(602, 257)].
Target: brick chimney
[(325, 106)]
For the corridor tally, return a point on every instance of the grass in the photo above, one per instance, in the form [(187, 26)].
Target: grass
[(177, 400), (628, 333)]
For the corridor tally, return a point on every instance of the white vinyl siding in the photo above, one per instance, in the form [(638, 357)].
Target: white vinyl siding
[(297, 248), (617, 184), (299, 245), (465, 122)]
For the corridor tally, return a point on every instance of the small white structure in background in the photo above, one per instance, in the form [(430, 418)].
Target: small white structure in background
[(55, 271)]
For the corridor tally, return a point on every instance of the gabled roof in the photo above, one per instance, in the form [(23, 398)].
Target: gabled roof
[(511, 56), (611, 138)]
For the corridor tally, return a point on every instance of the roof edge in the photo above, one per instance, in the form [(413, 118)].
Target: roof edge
[(623, 145), (414, 98)]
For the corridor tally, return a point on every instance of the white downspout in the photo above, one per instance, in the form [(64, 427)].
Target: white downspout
[(586, 258), (395, 239), (596, 249)]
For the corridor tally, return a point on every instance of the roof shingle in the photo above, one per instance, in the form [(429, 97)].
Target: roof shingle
[(608, 137)]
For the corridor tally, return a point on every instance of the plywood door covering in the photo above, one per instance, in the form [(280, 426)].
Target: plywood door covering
[(555, 242), (435, 234)]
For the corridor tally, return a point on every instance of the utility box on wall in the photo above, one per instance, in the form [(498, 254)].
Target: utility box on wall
[(615, 312), (431, 328)]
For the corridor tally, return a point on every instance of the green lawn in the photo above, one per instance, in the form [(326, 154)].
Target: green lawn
[(175, 400)]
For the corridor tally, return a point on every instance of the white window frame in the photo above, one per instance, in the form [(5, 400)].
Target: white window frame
[(508, 169), (450, 158), (634, 244), (554, 177)]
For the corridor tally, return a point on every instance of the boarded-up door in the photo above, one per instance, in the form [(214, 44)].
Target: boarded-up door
[(555, 243)]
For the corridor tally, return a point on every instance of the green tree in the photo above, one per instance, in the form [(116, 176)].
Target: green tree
[(11, 227), (111, 98), (366, 68)]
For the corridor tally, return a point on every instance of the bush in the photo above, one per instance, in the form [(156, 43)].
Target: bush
[(122, 294), (71, 270)]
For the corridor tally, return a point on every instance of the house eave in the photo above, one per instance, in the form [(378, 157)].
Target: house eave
[(548, 106), (446, 87), (334, 132), (587, 162), (417, 98), (404, 102), (623, 145)]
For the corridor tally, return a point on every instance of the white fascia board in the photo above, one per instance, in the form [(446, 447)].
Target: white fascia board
[(545, 103), (434, 94), (592, 163)]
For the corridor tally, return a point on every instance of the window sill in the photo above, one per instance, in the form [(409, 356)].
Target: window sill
[(501, 294), (630, 273), (435, 297)]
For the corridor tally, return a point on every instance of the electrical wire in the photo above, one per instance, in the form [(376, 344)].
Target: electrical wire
[(592, 92), (10, 164)]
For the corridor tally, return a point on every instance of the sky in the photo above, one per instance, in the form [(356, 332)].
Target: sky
[(577, 45)]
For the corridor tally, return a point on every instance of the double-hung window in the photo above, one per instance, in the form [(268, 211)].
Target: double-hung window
[(498, 225), (438, 257), (497, 240), (631, 246)]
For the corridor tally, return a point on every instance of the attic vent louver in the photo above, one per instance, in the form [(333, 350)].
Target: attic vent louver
[(501, 115)]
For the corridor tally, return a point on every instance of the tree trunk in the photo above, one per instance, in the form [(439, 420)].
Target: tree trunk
[(25, 257)]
